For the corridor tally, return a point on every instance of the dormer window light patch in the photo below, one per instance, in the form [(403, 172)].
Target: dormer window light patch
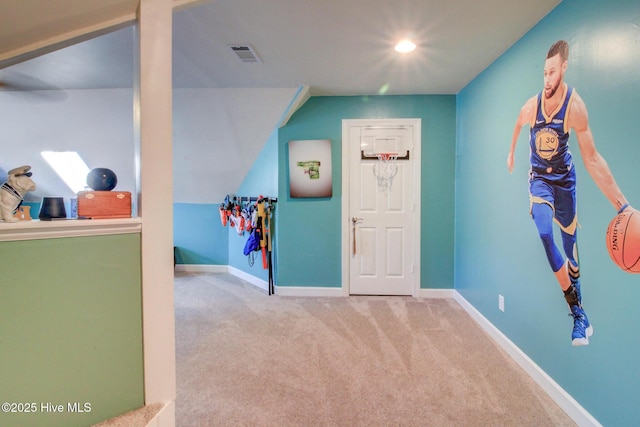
[(70, 168)]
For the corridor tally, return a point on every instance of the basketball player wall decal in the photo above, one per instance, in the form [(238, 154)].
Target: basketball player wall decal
[(551, 114)]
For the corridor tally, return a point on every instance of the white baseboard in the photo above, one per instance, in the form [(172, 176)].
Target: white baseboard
[(288, 291), (436, 293), (302, 291), (207, 268), (260, 283), (575, 411), (201, 268), (293, 291)]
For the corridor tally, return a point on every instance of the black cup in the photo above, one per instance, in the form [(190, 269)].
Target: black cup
[(52, 208)]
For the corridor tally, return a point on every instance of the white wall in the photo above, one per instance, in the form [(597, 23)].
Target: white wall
[(96, 123), (217, 135)]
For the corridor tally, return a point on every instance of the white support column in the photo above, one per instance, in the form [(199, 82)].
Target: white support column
[(153, 121)]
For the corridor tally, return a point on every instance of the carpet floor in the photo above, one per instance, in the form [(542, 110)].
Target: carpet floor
[(244, 358)]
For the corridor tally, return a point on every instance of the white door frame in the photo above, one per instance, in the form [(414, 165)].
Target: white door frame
[(415, 158)]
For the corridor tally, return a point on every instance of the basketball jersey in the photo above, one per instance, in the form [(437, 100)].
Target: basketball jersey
[(549, 137)]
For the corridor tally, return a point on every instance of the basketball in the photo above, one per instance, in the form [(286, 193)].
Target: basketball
[(623, 241)]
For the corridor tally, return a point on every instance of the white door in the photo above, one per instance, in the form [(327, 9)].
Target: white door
[(382, 221)]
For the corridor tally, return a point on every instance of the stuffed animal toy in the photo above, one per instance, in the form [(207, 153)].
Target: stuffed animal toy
[(13, 190)]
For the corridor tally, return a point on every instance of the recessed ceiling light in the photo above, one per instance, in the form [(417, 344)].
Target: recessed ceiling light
[(405, 46)]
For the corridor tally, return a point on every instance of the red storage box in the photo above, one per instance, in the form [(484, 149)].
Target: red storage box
[(104, 204)]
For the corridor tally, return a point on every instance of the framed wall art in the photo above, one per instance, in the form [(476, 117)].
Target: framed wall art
[(310, 168)]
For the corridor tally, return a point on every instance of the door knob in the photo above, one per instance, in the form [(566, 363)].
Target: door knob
[(354, 221)]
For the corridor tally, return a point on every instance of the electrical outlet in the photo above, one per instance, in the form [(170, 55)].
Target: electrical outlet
[(500, 303)]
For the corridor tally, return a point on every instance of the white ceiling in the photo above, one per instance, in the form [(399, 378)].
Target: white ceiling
[(336, 47), (32, 25)]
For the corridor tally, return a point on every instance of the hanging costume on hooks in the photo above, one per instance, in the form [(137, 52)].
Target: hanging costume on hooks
[(263, 227), (240, 213), (238, 219), (226, 209)]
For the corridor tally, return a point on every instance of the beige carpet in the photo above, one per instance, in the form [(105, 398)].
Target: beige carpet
[(136, 418), (248, 359)]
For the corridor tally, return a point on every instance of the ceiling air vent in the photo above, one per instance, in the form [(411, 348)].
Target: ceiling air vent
[(245, 53)]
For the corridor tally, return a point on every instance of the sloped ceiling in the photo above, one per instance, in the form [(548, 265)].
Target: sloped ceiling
[(49, 50), (34, 27), (31, 28)]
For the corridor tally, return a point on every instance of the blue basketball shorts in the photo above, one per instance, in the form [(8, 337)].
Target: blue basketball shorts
[(557, 190)]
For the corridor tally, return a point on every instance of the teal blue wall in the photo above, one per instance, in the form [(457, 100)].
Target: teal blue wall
[(497, 250), (71, 316), (262, 180), (309, 230), (198, 234)]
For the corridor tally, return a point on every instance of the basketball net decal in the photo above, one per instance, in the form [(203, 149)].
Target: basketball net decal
[(547, 143)]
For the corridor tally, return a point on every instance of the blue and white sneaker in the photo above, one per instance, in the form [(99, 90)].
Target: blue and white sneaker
[(582, 329)]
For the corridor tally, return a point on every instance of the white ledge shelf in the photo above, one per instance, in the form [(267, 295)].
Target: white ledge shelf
[(36, 229)]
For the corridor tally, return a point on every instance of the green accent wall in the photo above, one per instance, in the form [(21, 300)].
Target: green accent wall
[(71, 316), (309, 230)]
